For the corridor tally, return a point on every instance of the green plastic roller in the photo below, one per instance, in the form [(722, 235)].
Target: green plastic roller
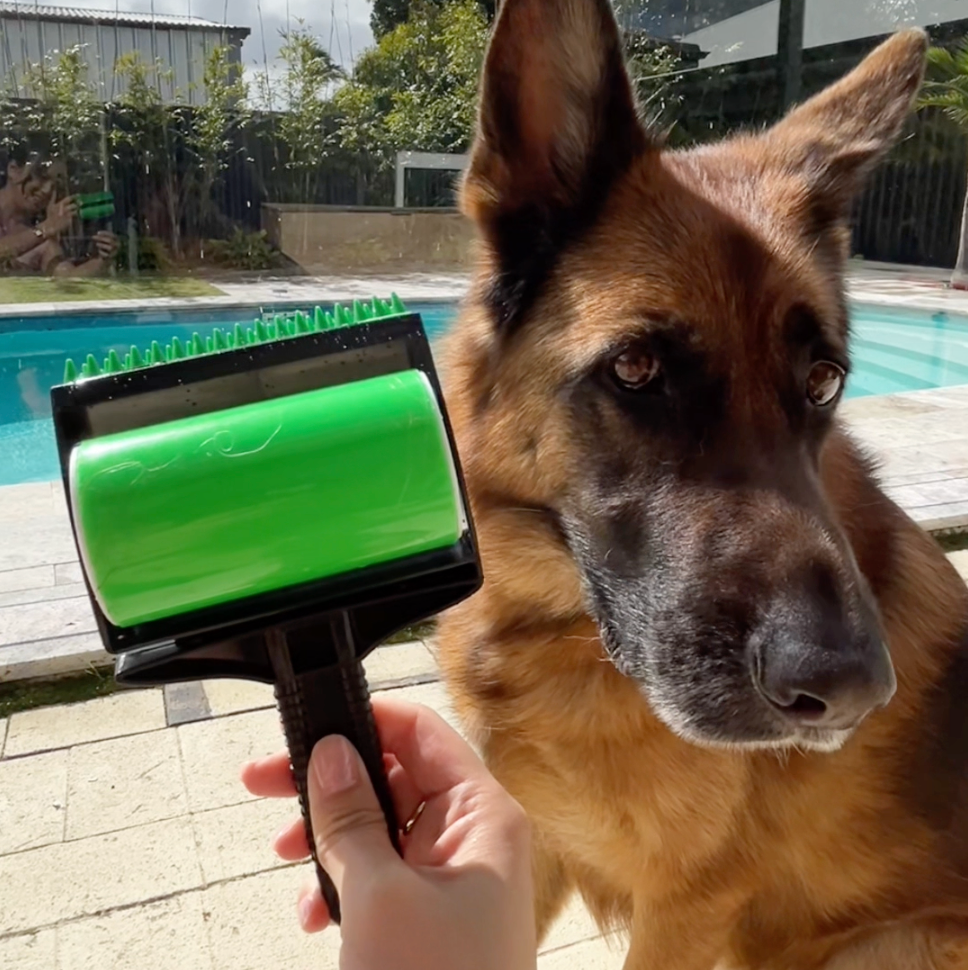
[(95, 205), (269, 503)]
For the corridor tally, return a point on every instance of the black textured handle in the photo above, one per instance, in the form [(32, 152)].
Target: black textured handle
[(318, 703)]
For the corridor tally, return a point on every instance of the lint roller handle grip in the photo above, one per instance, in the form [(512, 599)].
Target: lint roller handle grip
[(319, 703)]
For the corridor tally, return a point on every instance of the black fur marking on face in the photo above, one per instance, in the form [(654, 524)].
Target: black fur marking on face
[(529, 240)]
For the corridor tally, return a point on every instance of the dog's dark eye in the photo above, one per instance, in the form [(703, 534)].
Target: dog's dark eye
[(634, 369), (825, 382)]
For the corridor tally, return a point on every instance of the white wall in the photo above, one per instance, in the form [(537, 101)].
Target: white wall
[(753, 33)]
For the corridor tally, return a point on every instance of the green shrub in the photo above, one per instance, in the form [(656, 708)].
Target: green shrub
[(250, 251)]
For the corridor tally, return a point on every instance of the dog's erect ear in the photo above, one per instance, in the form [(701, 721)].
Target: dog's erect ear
[(834, 139), (557, 124)]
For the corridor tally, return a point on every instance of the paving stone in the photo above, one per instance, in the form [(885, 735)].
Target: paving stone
[(127, 712), (53, 658), (430, 695), (73, 879), (253, 925), (124, 782), (572, 926), (960, 561), (185, 703), (43, 594), (235, 696), (214, 751), (29, 951), (54, 618), (30, 541), (12, 580), (25, 501), (33, 798), (167, 935), (236, 841), (590, 955), (399, 662), (68, 573)]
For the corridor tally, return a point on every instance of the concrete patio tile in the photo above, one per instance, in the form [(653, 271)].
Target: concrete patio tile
[(167, 935), (68, 573), (213, 752), (30, 541), (572, 926), (30, 951), (55, 618), (430, 695), (960, 561), (253, 925), (235, 696), (43, 594), (398, 662), (236, 841), (33, 799), (19, 501), (597, 954), (52, 658), (72, 879), (35, 577), (124, 782), (127, 712)]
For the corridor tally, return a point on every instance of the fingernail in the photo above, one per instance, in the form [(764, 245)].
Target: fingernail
[(305, 910), (336, 765)]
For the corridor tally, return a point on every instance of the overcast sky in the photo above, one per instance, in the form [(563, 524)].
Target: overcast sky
[(342, 25)]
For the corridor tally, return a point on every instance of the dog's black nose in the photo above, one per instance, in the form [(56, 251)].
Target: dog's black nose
[(819, 668)]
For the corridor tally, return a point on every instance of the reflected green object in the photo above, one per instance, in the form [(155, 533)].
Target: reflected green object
[(211, 509), (95, 205)]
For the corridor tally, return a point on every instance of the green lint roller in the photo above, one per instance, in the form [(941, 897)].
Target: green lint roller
[(269, 503)]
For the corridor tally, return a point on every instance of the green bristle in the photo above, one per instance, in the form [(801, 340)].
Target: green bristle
[(282, 326)]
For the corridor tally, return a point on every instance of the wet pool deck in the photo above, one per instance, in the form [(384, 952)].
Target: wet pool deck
[(125, 837)]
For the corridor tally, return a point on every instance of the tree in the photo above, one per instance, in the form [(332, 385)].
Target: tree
[(947, 88), (57, 102), (417, 88), (145, 125), (216, 123), (305, 119), (389, 14)]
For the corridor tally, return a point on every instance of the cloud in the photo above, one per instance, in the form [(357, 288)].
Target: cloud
[(343, 26)]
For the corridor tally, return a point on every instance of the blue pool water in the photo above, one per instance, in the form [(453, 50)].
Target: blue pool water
[(893, 350)]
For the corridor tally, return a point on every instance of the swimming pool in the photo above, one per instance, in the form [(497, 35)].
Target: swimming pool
[(893, 350)]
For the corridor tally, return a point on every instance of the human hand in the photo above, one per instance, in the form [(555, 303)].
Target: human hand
[(462, 893), (106, 244), (60, 215)]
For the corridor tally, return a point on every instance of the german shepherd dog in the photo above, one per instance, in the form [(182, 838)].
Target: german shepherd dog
[(724, 674)]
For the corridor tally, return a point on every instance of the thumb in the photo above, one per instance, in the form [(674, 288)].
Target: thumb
[(349, 828)]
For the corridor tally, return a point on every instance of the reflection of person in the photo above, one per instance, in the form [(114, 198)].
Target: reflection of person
[(461, 896), (32, 221)]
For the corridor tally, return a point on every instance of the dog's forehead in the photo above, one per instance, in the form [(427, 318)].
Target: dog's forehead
[(667, 251)]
